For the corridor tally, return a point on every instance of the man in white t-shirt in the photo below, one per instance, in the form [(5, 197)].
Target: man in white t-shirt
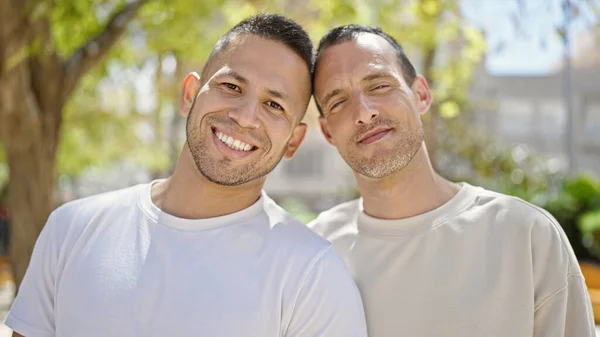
[(204, 252), (431, 257)]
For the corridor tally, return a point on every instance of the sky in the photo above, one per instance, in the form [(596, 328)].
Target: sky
[(531, 50)]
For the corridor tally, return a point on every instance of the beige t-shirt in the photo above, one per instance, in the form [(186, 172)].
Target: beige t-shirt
[(483, 264)]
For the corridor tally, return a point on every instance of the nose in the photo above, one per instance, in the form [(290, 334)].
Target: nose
[(246, 114), (364, 113)]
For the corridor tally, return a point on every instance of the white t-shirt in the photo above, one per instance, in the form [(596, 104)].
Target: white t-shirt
[(115, 265), (483, 264)]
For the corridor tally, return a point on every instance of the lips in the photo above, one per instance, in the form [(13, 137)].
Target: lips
[(374, 135)]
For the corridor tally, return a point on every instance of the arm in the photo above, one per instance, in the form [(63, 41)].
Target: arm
[(329, 303), (566, 313), (562, 303), (32, 312)]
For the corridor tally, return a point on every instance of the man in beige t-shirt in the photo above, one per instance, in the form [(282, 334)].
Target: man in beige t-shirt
[(432, 257)]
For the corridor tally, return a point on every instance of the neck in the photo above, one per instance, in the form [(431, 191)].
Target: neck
[(414, 190), (188, 194)]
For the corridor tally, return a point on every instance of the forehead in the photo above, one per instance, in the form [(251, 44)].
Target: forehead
[(352, 60), (266, 64)]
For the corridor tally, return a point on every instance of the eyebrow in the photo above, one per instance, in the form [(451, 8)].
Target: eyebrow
[(331, 95), (277, 94), (235, 75), (376, 76), (242, 79)]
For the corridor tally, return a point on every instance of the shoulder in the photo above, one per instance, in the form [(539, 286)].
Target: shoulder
[(67, 224), (291, 233), (511, 211), (530, 222), (88, 206), (79, 213), (552, 258), (339, 218)]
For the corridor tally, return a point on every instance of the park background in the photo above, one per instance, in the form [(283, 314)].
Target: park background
[(89, 94)]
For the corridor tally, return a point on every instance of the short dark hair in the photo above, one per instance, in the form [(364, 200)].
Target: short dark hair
[(351, 32), (273, 27)]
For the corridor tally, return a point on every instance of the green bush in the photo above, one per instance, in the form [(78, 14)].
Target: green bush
[(577, 209)]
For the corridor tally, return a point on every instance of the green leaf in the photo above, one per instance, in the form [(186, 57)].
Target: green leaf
[(590, 222), (584, 188), (449, 109)]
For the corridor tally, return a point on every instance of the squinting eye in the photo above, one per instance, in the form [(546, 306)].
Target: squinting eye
[(232, 87), (336, 104), (274, 105), (382, 86)]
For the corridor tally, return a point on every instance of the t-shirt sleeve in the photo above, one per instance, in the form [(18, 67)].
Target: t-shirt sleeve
[(329, 303), (562, 303), (32, 312), (566, 313)]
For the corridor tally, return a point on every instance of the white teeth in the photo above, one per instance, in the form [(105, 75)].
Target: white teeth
[(233, 143)]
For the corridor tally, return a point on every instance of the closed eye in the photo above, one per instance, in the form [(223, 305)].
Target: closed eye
[(336, 104), (381, 86), (232, 87), (274, 105)]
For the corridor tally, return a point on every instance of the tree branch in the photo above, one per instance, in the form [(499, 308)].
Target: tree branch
[(92, 52)]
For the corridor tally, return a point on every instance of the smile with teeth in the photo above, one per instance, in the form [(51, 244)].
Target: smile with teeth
[(233, 143)]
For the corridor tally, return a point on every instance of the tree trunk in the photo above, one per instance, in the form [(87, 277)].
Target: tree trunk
[(34, 87), (29, 133), (31, 188)]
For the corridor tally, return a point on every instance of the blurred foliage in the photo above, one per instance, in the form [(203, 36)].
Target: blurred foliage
[(94, 136), (187, 29), (470, 154), (298, 209), (577, 209), (177, 25)]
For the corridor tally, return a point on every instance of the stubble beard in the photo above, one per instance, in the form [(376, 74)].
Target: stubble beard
[(386, 161), (220, 171)]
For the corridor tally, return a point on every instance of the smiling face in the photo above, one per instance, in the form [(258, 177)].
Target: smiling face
[(370, 113), (246, 114)]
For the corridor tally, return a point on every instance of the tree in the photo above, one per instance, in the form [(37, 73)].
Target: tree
[(36, 80), (46, 49)]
